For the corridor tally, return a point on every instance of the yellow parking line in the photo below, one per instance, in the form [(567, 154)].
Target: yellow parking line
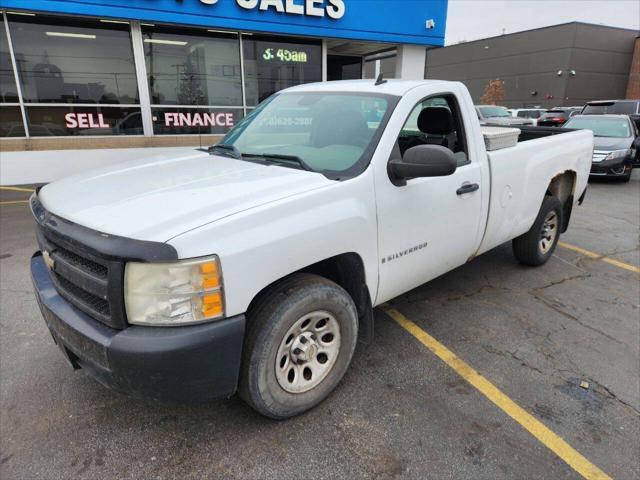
[(595, 256), (13, 202), (535, 427), (18, 189)]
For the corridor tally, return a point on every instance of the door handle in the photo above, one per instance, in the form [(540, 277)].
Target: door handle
[(467, 188)]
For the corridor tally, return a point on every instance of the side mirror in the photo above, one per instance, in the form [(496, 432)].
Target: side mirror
[(422, 161)]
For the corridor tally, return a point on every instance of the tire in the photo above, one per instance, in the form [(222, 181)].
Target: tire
[(529, 248), (275, 327)]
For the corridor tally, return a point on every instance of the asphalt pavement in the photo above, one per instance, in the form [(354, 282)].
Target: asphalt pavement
[(536, 334)]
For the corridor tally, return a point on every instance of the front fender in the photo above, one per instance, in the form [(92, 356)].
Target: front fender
[(258, 246)]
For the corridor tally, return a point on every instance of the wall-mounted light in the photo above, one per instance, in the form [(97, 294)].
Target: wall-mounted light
[(534, 93), (573, 73), (559, 73), (430, 24), (70, 35), (486, 47)]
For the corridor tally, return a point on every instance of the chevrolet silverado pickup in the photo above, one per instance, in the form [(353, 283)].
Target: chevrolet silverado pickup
[(254, 266)]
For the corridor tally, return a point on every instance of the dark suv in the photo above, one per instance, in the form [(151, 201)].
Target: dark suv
[(556, 117)]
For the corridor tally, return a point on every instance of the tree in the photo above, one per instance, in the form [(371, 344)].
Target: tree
[(493, 93)]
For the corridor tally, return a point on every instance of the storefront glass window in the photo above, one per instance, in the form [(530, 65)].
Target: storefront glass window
[(180, 121), (186, 68), (11, 124), (272, 64), (62, 60), (46, 121), (8, 90), (11, 121)]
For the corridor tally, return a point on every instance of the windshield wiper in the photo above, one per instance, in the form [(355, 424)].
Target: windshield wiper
[(281, 158), (230, 150)]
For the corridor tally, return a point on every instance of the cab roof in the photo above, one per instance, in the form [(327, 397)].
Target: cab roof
[(390, 87)]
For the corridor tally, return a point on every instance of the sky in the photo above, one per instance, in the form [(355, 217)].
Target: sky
[(475, 19)]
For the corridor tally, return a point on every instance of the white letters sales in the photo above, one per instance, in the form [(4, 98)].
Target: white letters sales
[(315, 8)]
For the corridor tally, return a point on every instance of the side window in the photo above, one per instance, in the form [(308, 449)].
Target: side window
[(435, 121)]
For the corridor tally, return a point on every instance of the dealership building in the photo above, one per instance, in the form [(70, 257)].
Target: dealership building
[(80, 78), (560, 65)]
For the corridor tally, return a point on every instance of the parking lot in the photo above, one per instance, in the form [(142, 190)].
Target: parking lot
[(561, 341)]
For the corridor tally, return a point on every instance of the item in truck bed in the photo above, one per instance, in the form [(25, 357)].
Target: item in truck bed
[(497, 138)]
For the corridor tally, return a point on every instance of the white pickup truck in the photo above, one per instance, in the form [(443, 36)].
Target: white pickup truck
[(255, 266)]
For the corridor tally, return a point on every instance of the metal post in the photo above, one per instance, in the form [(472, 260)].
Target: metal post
[(244, 93), (15, 74), (141, 74), (324, 60)]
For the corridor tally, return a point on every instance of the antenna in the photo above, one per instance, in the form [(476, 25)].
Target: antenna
[(380, 80)]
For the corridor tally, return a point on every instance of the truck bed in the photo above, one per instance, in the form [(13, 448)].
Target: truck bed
[(520, 176)]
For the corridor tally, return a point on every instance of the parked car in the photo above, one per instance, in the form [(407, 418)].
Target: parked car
[(556, 117), (619, 107), (255, 266), (494, 115), (616, 143), (531, 113)]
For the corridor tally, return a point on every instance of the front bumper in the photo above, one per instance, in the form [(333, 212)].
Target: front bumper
[(616, 167), (171, 364)]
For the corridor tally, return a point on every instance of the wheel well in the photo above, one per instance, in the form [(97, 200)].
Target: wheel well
[(562, 187), (347, 270)]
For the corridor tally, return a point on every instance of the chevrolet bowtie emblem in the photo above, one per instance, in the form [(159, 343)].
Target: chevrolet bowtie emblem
[(48, 261)]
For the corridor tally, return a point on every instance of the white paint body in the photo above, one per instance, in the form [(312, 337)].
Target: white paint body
[(265, 222)]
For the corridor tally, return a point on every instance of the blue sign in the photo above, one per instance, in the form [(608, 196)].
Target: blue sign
[(399, 21)]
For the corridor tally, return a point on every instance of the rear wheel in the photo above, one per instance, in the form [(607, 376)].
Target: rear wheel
[(299, 343), (537, 245)]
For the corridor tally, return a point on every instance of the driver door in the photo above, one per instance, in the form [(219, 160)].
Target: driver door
[(430, 225)]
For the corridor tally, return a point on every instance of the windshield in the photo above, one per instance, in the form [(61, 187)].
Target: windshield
[(602, 127), (494, 112), (331, 133), (624, 108)]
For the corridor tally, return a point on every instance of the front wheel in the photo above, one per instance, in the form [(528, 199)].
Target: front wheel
[(300, 339), (537, 245)]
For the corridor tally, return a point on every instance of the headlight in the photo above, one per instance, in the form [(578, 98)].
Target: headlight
[(618, 154), (169, 294)]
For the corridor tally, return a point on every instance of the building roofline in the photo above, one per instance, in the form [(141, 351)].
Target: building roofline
[(543, 28)]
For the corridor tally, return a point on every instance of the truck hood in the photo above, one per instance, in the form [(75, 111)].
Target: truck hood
[(610, 144), (163, 195)]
